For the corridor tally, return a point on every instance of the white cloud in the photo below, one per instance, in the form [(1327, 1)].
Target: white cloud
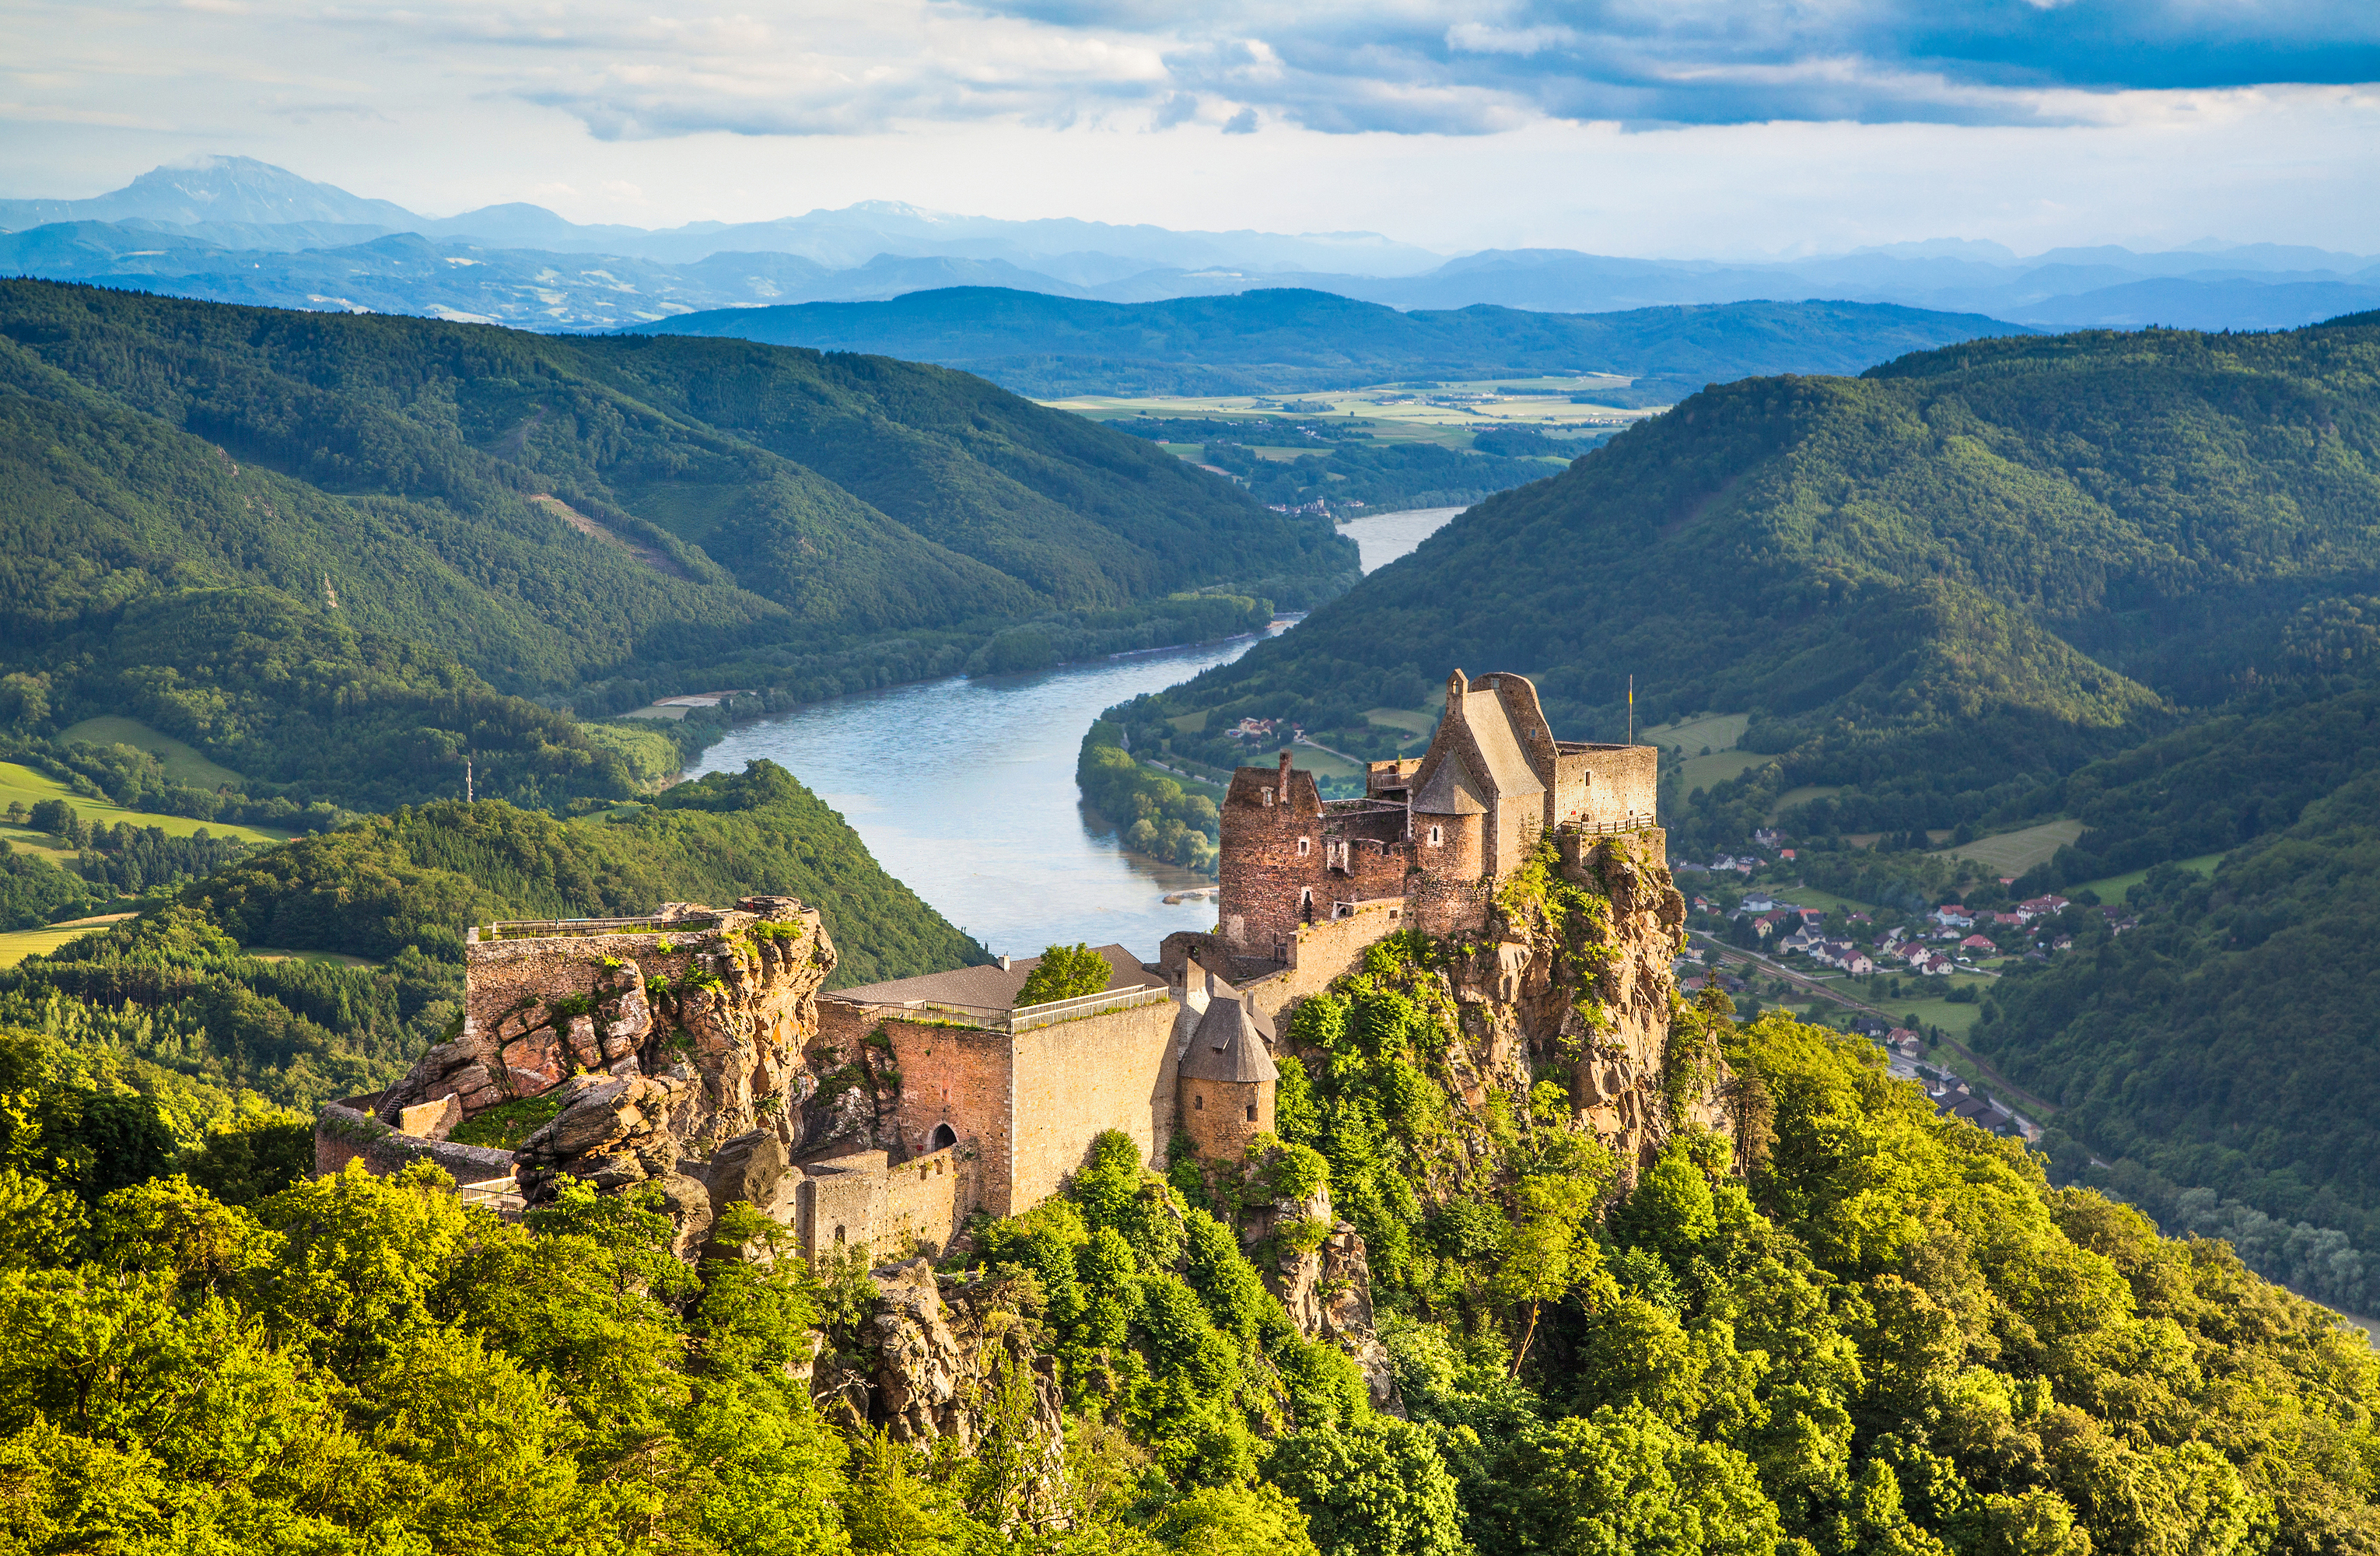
[(1490, 122)]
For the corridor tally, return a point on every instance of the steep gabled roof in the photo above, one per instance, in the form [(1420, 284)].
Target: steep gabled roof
[(1230, 1045), (1451, 791), (1491, 723)]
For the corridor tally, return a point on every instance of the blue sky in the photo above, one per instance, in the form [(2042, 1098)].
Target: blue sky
[(1675, 127)]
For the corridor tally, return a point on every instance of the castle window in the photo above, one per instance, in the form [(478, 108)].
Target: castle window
[(1268, 794), (1436, 836), (1305, 846), (1197, 1102), (943, 1135), (838, 1237), (1252, 1113)]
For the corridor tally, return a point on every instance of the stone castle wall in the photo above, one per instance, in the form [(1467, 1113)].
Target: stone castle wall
[(1076, 1078), (1263, 871), (351, 1130), (1223, 1117), (867, 1198), (1622, 787), (958, 1076), (1023, 1107)]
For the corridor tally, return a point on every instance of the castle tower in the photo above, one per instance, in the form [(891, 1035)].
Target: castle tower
[(1227, 1079)]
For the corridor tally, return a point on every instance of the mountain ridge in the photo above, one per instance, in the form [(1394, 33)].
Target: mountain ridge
[(2212, 287), (1290, 341)]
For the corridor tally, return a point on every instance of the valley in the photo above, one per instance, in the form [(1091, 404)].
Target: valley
[(1291, 780), (1963, 707)]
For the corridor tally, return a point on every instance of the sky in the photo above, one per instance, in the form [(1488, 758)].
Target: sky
[(1677, 128)]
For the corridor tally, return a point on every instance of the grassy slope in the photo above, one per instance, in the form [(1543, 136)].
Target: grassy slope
[(849, 494), (21, 784)]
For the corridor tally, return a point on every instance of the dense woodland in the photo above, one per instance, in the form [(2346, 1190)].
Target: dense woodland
[(175, 993), (1987, 563), (334, 553), (1292, 341), (1890, 1334), (2125, 578)]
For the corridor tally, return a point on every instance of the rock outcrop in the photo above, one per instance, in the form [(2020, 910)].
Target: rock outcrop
[(1326, 1286), (672, 1046), (941, 1360), (1545, 995)]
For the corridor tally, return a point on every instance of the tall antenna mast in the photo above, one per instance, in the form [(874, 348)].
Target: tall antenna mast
[(467, 797)]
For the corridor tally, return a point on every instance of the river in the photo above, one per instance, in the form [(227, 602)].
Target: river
[(965, 788)]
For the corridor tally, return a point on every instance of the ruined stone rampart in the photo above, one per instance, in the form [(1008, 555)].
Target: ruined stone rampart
[(725, 1000), (865, 1198), (352, 1130)]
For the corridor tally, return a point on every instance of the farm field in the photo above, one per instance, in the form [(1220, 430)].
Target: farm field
[(18, 945), (1393, 412), (321, 958), (1717, 731), (1701, 773), (2013, 853), (2111, 889), (182, 763), (1791, 797), (19, 783)]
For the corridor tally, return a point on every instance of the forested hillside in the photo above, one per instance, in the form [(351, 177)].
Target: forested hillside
[(176, 991), (311, 545), (1888, 1335), (1953, 578), (1290, 341)]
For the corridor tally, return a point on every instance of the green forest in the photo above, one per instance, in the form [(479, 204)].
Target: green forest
[(177, 995), (2127, 579), (1288, 341), (340, 554), (1888, 1333), (1950, 581)]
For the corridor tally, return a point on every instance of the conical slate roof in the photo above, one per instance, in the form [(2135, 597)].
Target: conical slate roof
[(1230, 1045), (1449, 791)]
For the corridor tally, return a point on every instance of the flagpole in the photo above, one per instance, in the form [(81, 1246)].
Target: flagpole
[(1632, 710)]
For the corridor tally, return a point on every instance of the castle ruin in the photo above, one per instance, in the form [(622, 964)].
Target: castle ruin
[(699, 1050), (1430, 835)]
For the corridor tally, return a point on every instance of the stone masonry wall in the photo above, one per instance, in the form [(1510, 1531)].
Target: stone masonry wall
[(1261, 872), (959, 1076), (1074, 1079), (1623, 783), (1216, 1116), (350, 1131), (867, 1198)]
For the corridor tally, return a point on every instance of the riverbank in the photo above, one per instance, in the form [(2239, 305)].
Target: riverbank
[(963, 787)]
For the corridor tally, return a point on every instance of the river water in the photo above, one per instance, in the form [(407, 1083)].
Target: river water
[(965, 787)]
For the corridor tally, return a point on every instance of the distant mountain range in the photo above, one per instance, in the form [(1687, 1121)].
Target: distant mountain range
[(233, 229), (1290, 341)]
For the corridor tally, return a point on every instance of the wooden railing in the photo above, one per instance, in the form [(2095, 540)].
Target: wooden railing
[(500, 1195)]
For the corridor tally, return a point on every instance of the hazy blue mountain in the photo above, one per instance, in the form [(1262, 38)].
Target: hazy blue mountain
[(214, 190), (542, 271), (1292, 341)]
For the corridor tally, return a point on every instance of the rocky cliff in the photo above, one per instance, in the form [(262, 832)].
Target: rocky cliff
[(1572, 983)]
